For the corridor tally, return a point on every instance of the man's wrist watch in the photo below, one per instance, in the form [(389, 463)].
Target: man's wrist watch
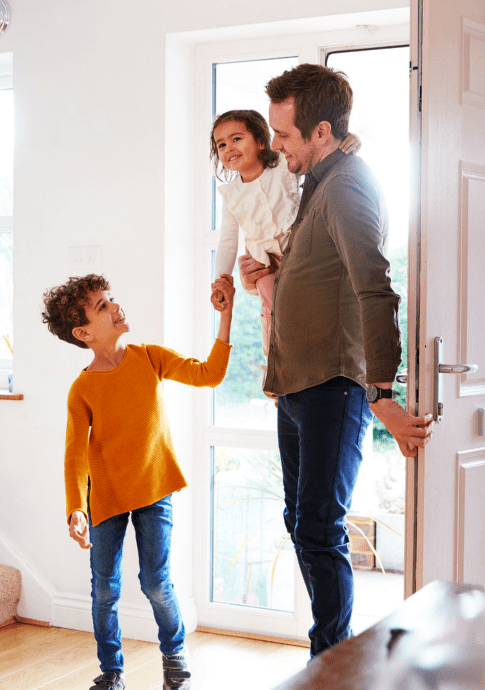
[(374, 393)]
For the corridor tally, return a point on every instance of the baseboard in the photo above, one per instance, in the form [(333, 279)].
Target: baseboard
[(137, 622), (32, 621), (254, 636)]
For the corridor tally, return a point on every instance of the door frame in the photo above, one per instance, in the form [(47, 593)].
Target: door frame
[(308, 47)]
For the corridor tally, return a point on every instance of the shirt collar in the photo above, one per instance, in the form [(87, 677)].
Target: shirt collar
[(322, 168)]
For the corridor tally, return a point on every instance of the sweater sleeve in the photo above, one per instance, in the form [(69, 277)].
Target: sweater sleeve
[(227, 248), (171, 365), (76, 455)]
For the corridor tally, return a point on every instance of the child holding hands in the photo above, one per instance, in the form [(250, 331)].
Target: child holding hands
[(120, 460)]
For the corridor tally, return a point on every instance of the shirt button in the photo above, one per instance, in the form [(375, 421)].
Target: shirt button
[(272, 314), (276, 281)]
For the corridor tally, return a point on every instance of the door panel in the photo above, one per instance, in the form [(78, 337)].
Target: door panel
[(449, 251)]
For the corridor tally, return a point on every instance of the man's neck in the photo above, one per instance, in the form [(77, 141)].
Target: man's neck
[(335, 143)]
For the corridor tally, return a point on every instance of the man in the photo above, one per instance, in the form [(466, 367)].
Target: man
[(335, 341)]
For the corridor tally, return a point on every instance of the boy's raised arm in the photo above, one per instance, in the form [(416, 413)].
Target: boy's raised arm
[(226, 285)]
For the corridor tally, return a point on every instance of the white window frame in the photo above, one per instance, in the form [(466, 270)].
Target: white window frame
[(309, 48), (6, 222)]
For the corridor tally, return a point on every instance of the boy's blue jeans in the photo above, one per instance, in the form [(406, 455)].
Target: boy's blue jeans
[(320, 434), (153, 529)]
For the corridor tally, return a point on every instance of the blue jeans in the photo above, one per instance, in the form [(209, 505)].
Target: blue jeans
[(320, 434), (153, 529)]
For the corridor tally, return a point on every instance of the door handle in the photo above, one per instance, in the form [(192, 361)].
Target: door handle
[(440, 368), (402, 378), (457, 368)]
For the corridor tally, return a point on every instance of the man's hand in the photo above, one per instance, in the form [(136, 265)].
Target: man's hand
[(78, 529), (410, 432), (251, 270)]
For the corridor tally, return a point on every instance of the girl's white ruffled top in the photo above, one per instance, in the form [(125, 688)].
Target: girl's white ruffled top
[(264, 209)]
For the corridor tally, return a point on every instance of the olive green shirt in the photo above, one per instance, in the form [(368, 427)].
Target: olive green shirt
[(334, 311)]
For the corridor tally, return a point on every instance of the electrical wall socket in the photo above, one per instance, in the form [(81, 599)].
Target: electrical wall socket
[(84, 260)]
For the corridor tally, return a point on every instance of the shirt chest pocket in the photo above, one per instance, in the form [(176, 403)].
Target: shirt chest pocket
[(302, 241)]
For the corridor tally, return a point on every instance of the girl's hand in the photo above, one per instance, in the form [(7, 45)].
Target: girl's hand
[(78, 529), (351, 144)]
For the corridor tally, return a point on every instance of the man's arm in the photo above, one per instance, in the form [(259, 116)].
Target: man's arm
[(251, 271), (354, 227), (410, 432)]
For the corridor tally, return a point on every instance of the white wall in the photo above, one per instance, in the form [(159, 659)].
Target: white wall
[(93, 167)]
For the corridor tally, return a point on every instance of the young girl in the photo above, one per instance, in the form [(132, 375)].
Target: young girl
[(261, 198)]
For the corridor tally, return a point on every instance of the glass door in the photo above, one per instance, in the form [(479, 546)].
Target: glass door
[(247, 576)]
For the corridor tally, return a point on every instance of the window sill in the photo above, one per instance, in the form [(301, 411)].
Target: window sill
[(5, 395)]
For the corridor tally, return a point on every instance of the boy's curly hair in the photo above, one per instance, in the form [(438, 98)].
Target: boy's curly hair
[(64, 306)]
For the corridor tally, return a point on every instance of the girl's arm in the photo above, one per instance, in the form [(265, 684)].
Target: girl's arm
[(227, 246), (351, 144), (226, 253)]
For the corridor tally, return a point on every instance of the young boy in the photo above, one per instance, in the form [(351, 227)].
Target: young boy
[(120, 460)]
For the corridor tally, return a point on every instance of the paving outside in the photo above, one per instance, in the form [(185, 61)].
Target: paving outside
[(376, 596)]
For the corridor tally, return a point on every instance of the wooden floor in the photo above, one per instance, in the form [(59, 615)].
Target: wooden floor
[(57, 659)]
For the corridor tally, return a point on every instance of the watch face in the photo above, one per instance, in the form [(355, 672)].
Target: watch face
[(372, 393)]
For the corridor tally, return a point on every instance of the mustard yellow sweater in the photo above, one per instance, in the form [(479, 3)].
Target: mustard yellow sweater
[(128, 455)]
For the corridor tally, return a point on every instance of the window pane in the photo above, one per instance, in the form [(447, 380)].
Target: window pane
[(380, 116), (6, 292), (239, 401), (252, 555), (6, 152)]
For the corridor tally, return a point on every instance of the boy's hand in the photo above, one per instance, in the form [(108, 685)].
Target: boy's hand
[(78, 529), (351, 144), (217, 299), (225, 285)]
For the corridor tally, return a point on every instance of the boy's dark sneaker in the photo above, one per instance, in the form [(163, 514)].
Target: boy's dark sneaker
[(176, 673), (109, 680)]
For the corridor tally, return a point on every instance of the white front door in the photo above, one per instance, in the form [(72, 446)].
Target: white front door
[(447, 481)]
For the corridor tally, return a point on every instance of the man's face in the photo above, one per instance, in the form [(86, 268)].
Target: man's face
[(301, 154)]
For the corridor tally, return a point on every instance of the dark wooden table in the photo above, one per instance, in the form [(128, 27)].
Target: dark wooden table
[(358, 663)]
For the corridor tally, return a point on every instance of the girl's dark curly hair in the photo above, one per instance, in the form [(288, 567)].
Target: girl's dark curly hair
[(64, 306), (257, 125)]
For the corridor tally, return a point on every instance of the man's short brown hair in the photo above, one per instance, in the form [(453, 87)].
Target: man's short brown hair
[(321, 95), (64, 306)]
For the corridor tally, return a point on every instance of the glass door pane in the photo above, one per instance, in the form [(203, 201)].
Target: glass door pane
[(252, 556), (252, 559), (380, 116)]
